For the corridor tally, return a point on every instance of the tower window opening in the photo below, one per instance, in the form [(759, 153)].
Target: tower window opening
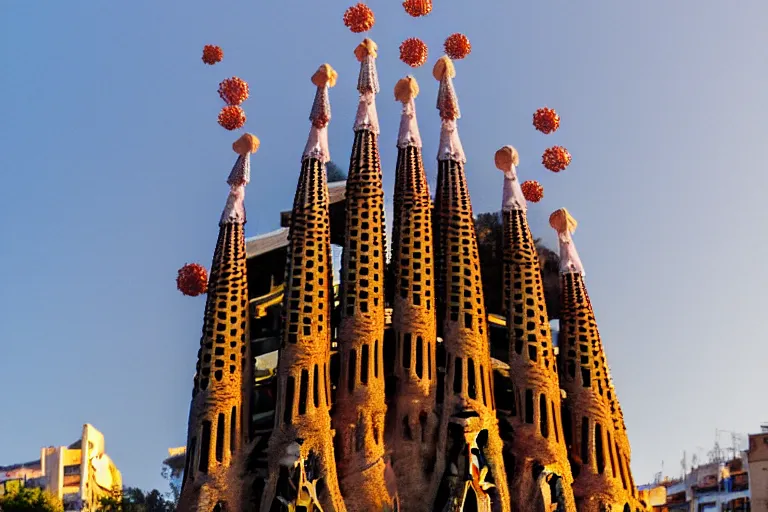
[(190, 463), (528, 406), (419, 356), (457, 375), (220, 437), (352, 367), (585, 440), (376, 359), (327, 385), (429, 360), (364, 364), (599, 455), (303, 390), (622, 469), (316, 386), (565, 415), (205, 447), (543, 422), (586, 379), (482, 384), (471, 380), (610, 454), (290, 390), (554, 423), (407, 351), (233, 430)]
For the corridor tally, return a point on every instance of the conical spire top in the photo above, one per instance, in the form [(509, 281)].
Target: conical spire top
[(448, 104), (368, 85), (234, 211), (507, 160), (565, 225), (317, 144), (406, 91)]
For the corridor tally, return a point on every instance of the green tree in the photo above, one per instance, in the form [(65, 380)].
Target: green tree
[(30, 499)]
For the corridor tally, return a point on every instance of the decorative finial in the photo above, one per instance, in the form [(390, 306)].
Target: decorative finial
[(234, 211), (506, 160), (317, 144), (565, 224), (368, 86), (448, 105), (406, 90)]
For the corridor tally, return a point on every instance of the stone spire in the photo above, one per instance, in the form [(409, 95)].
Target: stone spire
[(414, 426), (598, 450), (469, 468), (360, 405), (532, 409), (301, 446), (219, 414)]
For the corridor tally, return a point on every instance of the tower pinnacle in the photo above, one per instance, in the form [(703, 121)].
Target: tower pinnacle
[(219, 413)]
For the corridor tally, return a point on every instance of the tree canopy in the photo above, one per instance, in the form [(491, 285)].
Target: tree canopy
[(30, 499)]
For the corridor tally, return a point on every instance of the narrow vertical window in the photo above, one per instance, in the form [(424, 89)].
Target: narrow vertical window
[(429, 361), (528, 406), (457, 375), (290, 390), (364, 364), (220, 438), (599, 455), (376, 359), (543, 423), (554, 423), (303, 390), (205, 447), (419, 356), (610, 454), (585, 440), (482, 384), (407, 351), (471, 382), (316, 386), (352, 367), (233, 430)]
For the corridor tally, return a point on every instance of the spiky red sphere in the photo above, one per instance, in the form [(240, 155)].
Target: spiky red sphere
[(532, 191), (232, 117), (556, 158), (359, 18), (457, 46), (233, 90), (212, 54), (417, 8), (546, 120), (192, 280), (414, 52)]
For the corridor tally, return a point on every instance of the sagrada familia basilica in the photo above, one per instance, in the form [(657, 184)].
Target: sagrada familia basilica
[(437, 441)]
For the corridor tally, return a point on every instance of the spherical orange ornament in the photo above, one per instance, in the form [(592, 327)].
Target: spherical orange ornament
[(359, 18), (212, 54), (556, 158), (457, 46), (232, 117), (413, 51), (233, 91), (532, 191), (546, 120), (418, 8), (192, 279)]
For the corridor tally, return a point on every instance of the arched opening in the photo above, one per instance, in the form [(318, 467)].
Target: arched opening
[(543, 423), (599, 448), (528, 406), (220, 437)]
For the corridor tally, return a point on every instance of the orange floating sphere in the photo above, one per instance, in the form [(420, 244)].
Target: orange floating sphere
[(546, 120), (413, 51), (233, 91), (212, 54), (556, 158), (418, 8), (232, 117), (192, 279), (532, 191), (359, 18), (457, 46)]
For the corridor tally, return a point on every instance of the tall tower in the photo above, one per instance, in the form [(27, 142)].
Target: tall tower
[(600, 466), (219, 414), (413, 318), (301, 447), (360, 406), (534, 411), (469, 447)]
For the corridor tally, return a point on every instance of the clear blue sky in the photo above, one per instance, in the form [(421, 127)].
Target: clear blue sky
[(113, 176)]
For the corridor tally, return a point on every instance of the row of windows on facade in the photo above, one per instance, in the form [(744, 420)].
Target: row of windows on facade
[(203, 461)]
